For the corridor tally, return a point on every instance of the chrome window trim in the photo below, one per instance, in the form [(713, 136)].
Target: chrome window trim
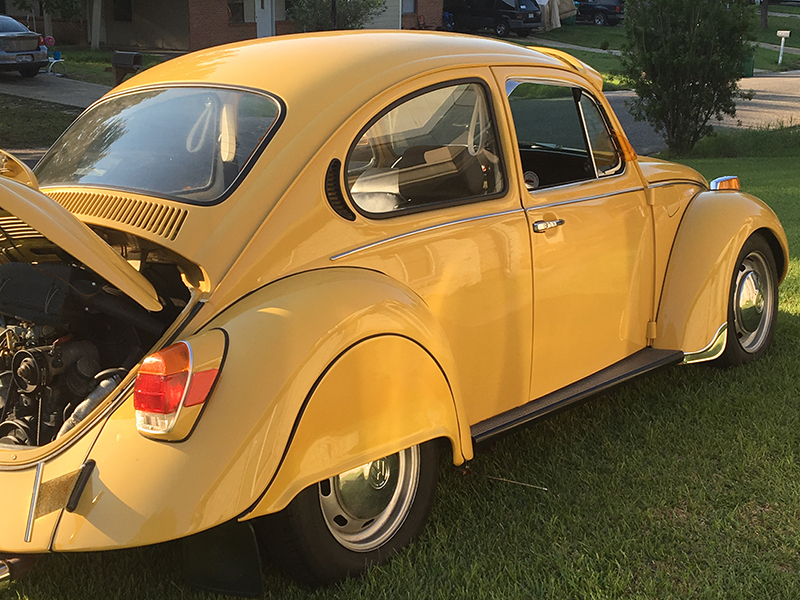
[(423, 230), (586, 199)]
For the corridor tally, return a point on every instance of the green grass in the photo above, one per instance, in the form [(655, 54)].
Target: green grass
[(774, 24), (768, 59), (94, 66), (685, 484), (27, 123), (795, 9), (590, 36)]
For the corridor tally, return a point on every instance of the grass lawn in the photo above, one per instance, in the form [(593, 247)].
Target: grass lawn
[(94, 66), (681, 485), (27, 123), (782, 8), (591, 36), (774, 24)]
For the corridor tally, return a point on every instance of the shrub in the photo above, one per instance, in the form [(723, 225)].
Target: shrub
[(684, 58), (315, 15)]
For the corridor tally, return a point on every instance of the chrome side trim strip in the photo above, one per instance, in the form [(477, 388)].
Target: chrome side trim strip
[(423, 230), (675, 182), (713, 350), (587, 199), (37, 483), (5, 571)]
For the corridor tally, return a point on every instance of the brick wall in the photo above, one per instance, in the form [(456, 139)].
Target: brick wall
[(209, 26), (430, 12)]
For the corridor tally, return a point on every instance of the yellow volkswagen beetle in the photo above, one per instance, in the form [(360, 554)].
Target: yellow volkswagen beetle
[(253, 292)]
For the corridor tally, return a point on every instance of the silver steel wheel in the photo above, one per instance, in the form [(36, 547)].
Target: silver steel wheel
[(753, 302), (364, 507)]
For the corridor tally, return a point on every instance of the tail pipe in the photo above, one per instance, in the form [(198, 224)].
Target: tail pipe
[(14, 567)]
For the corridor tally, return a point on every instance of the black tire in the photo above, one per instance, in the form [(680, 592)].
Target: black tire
[(314, 544), (502, 28), (599, 19), (752, 303), (29, 72)]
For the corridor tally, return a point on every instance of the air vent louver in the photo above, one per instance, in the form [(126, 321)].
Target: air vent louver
[(162, 220)]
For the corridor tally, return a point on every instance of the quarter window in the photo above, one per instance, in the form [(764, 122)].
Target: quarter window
[(435, 148), (561, 133)]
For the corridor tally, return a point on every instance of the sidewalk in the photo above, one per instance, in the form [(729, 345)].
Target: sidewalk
[(52, 88)]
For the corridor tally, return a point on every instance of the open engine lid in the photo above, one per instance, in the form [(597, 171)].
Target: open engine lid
[(59, 226)]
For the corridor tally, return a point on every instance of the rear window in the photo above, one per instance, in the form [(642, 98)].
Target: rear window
[(9, 25), (188, 144)]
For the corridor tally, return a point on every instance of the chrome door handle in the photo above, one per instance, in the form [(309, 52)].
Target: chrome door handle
[(542, 226)]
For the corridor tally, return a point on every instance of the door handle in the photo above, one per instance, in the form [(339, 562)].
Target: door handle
[(542, 226)]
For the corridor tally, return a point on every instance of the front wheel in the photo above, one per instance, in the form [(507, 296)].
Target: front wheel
[(752, 303), (343, 525), (599, 19)]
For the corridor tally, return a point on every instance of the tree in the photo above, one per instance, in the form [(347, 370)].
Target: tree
[(685, 58), (315, 15), (764, 12)]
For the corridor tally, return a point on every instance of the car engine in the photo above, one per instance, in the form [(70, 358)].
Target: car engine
[(67, 338)]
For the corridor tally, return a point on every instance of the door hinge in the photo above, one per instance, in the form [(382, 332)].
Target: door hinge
[(651, 330)]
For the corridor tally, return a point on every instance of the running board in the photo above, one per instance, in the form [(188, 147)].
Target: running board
[(637, 364)]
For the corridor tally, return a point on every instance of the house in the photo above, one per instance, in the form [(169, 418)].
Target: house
[(195, 24)]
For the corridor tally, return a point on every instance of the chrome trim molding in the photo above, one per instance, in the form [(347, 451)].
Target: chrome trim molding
[(423, 230), (5, 571), (37, 484), (675, 182), (587, 199), (712, 351)]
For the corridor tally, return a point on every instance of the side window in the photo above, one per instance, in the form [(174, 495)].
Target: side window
[(606, 158), (434, 148), (561, 134)]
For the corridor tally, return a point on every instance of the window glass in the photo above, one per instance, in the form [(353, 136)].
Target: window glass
[(552, 145), (605, 154), (186, 143), (436, 147)]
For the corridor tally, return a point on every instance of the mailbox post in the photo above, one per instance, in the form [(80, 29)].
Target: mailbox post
[(783, 34)]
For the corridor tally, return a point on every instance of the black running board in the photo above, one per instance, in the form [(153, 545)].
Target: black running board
[(637, 364)]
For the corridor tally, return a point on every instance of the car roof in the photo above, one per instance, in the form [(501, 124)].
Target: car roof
[(295, 66)]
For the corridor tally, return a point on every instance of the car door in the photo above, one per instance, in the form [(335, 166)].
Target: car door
[(591, 232)]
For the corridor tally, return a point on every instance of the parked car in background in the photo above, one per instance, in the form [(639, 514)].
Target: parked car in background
[(259, 290), (20, 49), (501, 16), (601, 12)]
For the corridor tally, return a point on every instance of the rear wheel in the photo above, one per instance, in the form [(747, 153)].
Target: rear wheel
[(599, 19), (502, 28), (343, 525), (29, 71), (752, 303)]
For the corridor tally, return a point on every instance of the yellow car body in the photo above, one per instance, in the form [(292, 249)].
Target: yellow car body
[(340, 336)]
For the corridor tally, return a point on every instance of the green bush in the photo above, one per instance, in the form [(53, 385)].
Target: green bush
[(315, 15), (684, 59)]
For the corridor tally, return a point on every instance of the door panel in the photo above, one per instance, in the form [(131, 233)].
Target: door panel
[(590, 226)]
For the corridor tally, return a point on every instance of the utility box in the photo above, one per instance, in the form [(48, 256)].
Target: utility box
[(125, 63)]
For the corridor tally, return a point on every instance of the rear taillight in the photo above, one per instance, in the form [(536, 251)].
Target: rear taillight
[(617, 8), (41, 41), (173, 381)]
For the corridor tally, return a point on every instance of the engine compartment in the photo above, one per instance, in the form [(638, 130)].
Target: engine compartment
[(68, 338)]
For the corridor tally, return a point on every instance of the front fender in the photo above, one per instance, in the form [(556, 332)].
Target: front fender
[(694, 300), (281, 339)]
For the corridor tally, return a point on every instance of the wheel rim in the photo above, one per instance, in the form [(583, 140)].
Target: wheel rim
[(753, 302), (501, 29), (364, 507), (599, 19)]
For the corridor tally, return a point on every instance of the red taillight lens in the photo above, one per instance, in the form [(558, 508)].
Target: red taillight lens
[(41, 41), (161, 382)]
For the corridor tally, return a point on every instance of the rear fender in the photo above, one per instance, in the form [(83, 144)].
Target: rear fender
[(694, 300), (381, 396)]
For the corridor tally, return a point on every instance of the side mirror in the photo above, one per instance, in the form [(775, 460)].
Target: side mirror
[(14, 168)]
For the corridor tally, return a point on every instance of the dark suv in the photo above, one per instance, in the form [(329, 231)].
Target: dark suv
[(601, 12), (502, 16)]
